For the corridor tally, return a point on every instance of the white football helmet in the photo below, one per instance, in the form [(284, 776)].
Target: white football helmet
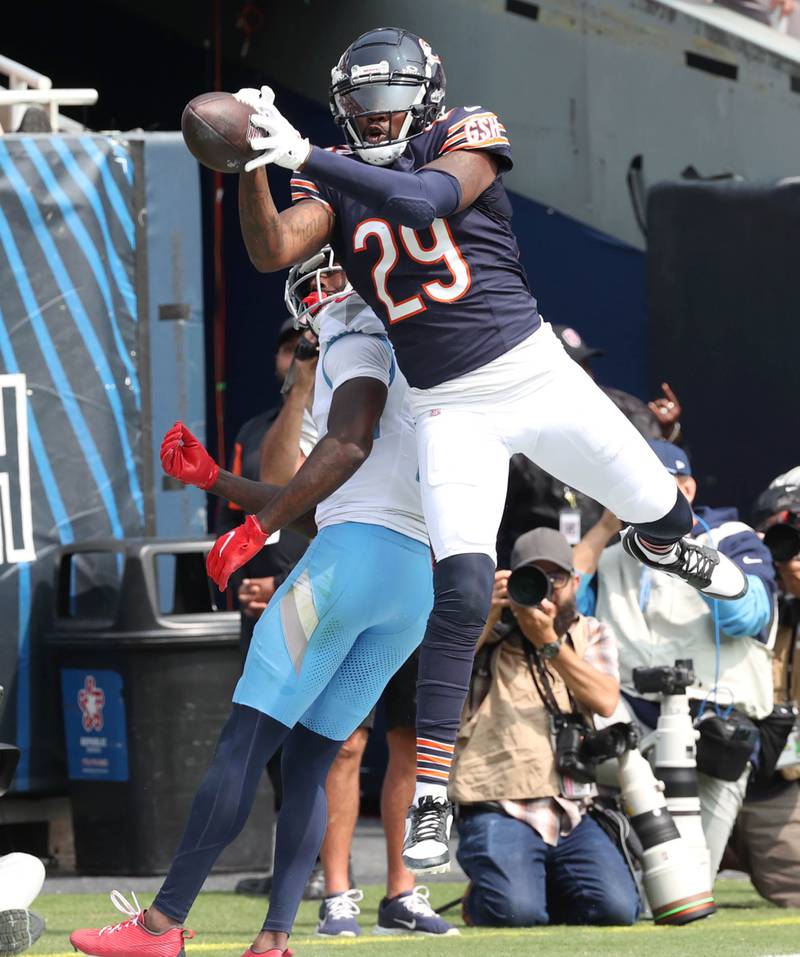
[(304, 293)]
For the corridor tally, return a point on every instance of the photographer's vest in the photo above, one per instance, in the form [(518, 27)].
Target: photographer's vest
[(657, 619), (503, 749)]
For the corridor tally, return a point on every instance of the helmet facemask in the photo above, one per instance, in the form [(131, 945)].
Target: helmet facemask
[(304, 294), (414, 89)]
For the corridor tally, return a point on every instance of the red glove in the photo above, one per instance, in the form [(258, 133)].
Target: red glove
[(185, 459), (233, 549)]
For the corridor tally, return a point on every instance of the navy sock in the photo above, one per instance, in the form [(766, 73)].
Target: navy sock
[(669, 528), (221, 806), (307, 758), (462, 596)]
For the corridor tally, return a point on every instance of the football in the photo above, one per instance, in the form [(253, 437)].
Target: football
[(216, 127)]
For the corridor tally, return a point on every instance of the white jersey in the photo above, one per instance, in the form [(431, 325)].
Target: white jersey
[(385, 490)]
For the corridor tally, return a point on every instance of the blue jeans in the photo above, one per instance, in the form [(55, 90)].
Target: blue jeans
[(517, 880)]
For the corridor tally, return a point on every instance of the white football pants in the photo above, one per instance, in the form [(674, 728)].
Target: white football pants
[(536, 400)]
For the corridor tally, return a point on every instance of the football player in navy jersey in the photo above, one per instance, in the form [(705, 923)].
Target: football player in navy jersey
[(416, 211)]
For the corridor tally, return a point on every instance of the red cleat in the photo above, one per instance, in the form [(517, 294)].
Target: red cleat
[(129, 938), (275, 952)]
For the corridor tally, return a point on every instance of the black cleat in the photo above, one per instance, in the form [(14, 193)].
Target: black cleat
[(701, 566)]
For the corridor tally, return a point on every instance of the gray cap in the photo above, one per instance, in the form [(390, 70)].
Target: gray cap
[(541, 545)]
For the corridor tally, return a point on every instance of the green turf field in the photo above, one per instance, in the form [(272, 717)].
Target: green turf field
[(744, 926)]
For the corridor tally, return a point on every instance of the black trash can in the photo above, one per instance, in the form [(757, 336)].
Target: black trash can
[(147, 664)]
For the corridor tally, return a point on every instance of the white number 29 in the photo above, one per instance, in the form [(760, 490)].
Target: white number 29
[(443, 249)]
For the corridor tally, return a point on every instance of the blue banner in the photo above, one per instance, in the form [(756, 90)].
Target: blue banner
[(94, 725)]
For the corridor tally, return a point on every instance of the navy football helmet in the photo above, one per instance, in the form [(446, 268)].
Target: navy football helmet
[(387, 71)]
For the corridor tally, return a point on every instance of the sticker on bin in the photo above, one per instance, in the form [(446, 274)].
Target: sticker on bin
[(94, 725)]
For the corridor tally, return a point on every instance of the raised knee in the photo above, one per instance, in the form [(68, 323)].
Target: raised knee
[(463, 587)]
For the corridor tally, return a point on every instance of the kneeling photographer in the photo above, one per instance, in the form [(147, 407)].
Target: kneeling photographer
[(661, 622), (766, 838), (531, 849)]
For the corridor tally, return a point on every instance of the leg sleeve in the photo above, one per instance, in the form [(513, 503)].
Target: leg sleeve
[(221, 806), (307, 758)]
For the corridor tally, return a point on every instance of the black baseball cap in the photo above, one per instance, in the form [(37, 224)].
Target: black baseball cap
[(576, 347), (286, 331), (542, 545)]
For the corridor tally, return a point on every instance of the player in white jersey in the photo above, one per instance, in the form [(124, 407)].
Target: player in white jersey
[(349, 615)]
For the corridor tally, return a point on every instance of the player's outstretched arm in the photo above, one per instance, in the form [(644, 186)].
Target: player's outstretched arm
[(276, 240), (356, 408), (185, 458), (412, 199)]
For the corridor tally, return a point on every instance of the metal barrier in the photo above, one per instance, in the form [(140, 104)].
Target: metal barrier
[(26, 86)]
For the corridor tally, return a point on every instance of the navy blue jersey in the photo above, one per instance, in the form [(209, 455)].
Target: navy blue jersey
[(453, 296)]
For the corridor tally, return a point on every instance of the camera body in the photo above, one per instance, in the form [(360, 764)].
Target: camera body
[(665, 680), (676, 887), (305, 349), (579, 748)]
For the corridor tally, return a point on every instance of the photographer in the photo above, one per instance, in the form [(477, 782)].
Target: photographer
[(532, 852), (766, 838), (658, 619)]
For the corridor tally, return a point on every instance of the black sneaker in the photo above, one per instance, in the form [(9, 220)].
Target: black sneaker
[(254, 886), (425, 847), (701, 566), (262, 886), (19, 929)]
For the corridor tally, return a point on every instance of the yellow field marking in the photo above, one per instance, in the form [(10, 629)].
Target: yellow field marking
[(481, 932), (473, 932)]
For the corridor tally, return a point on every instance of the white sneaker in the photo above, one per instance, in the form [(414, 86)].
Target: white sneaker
[(701, 566), (426, 845)]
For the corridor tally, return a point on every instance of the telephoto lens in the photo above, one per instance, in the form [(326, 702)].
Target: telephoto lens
[(677, 889), (529, 586), (672, 749), (783, 541)]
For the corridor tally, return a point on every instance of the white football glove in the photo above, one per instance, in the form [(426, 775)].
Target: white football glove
[(259, 100), (281, 144)]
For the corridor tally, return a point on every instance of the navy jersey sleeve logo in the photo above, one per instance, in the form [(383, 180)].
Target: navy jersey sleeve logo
[(477, 130)]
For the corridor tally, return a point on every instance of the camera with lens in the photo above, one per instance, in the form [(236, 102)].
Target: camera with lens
[(306, 349), (529, 586), (783, 539), (665, 680), (579, 748)]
